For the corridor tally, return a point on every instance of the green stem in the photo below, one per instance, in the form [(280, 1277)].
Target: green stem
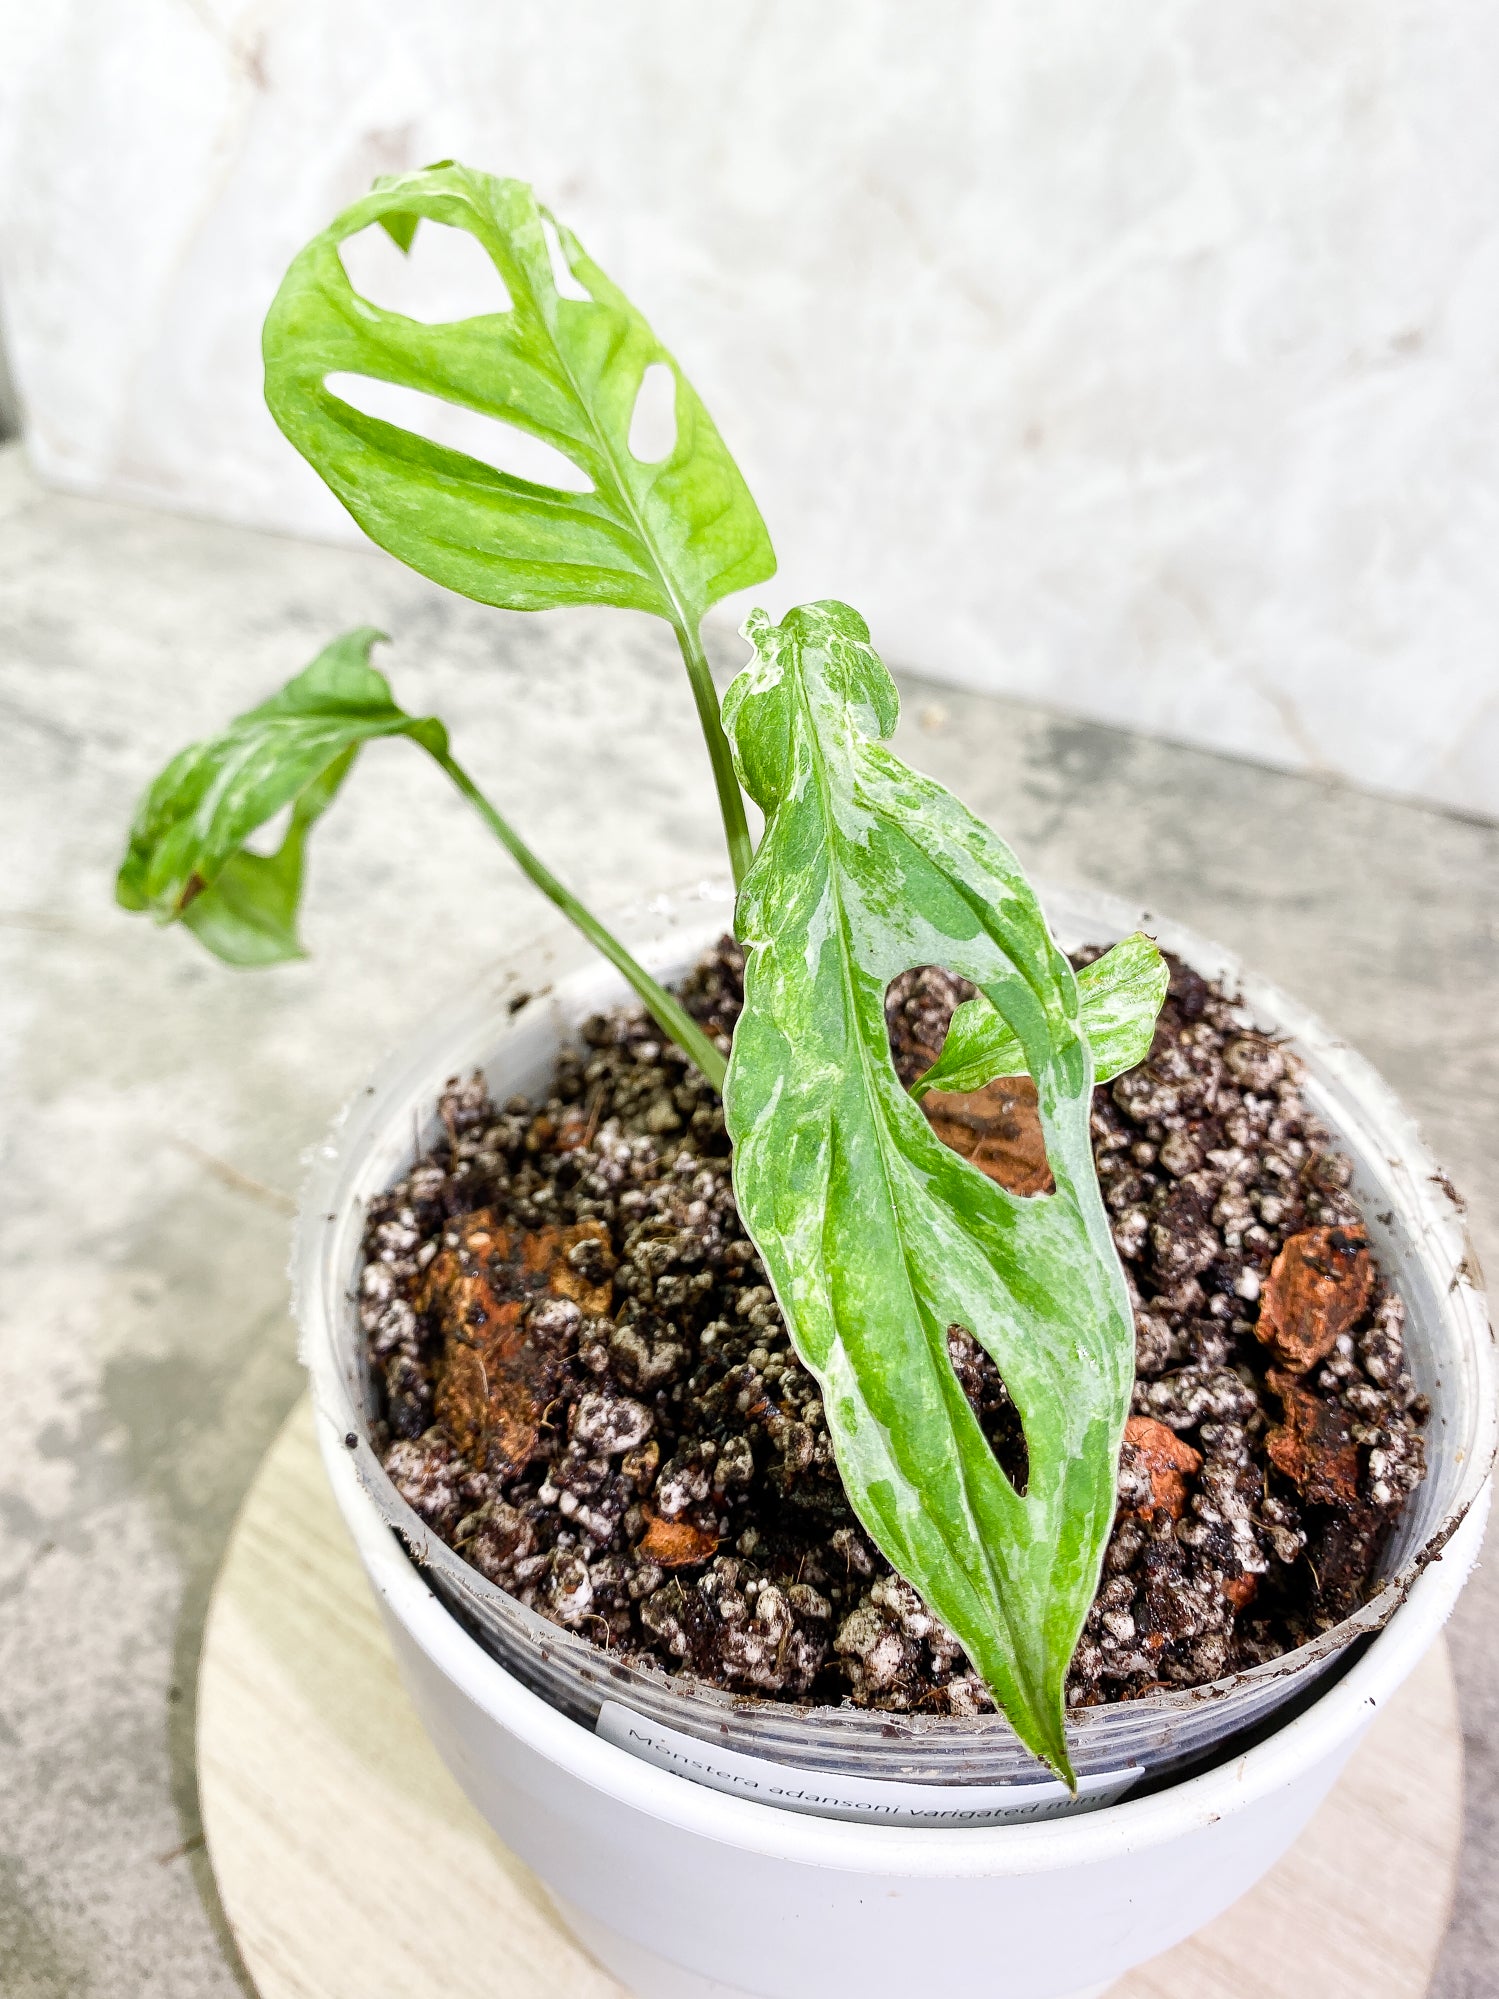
[(669, 1013), (730, 797)]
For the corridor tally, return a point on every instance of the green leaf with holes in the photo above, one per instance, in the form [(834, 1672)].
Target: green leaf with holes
[(1119, 994), (670, 537), (187, 859), (877, 1238)]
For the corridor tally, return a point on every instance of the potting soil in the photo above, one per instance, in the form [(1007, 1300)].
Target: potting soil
[(588, 1390)]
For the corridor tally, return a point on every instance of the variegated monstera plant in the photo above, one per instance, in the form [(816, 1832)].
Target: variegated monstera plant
[(877, 1237)]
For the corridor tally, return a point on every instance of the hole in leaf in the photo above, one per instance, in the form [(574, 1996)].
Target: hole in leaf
[(267, 837), (919, 1005), (445, 275), (490, 440), (984, 1389), (653, 426), (567, 285), (996, 1128)]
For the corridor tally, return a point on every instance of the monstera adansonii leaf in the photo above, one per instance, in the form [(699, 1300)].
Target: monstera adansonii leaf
[(669, 536), (187, 860), (876, 1237)]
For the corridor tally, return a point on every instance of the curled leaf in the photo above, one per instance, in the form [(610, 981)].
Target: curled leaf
[(1120, 995), (877, 1237), (669, 536), (187, 861)]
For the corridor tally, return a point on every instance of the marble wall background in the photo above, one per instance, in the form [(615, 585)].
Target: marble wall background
[(1140, 360)]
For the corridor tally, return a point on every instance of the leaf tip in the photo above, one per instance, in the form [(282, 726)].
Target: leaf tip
[(1061, 1762), (127, 889), (400, 226), (1046, 1737)]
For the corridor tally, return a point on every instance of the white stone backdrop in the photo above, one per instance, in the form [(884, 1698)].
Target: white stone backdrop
[(1139, 359)]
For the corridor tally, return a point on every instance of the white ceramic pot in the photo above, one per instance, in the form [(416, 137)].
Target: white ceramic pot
[(684, 1893), (681, 1890)]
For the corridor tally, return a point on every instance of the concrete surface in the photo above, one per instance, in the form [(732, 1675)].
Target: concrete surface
[(156, 1105)]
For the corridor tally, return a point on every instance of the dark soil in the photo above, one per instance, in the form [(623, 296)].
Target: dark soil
[(588, 1389)]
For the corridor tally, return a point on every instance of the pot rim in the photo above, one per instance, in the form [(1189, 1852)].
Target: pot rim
[(1132, 1825), (1427, 1205)]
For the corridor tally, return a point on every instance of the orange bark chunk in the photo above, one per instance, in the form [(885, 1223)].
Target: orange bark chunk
[(1319, 1286), (494, 1380), (674, 1544), (1166, 1460), (1312, 1445), (998, 1128)]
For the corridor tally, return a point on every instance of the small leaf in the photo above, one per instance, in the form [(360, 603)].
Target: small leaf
[(877, 1237), (1120, 994), (670, 537), (186, 857)]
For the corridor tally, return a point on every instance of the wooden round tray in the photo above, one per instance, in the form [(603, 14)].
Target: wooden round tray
[(352, 1867)]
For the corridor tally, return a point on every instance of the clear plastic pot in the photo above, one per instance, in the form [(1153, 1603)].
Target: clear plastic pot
[(511, 1029)]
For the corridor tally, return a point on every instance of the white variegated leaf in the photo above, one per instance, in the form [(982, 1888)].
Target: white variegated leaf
[(876, 1237)]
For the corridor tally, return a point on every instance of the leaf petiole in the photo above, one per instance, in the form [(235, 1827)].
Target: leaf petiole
[(725, 777), (669, 1014)]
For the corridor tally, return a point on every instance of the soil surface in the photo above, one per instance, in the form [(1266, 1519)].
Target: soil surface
[(588, 1389)]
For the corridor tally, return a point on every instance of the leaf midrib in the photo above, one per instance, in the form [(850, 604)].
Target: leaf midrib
[(668, 588)]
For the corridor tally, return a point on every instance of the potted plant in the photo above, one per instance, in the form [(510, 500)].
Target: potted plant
[(855, 1475)]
